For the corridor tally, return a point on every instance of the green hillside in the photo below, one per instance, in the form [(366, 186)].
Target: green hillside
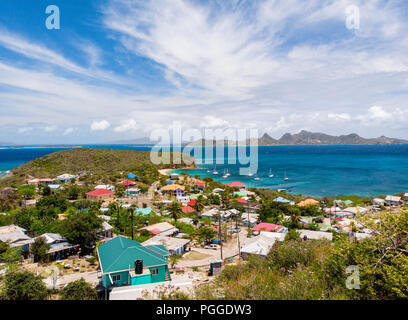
[(95, 162)]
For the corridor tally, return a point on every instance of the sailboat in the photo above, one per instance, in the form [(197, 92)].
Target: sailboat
[(286, 178), (270, 175), (215, 170), (257, 178), (225, 174)]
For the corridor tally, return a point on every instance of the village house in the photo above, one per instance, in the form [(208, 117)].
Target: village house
[(125, 262), (173, 245), (162, 228), (238, 185), (36, 182), (283, 200), (60, 248), (378, 202), (16, 237), (199, 185), (105, 186), (315, 235), (100, 195), (260, 245), (184, 200), (127, 183), (132, 191), (392, 201), (143, 211), (249, 219), (269, 227), (66, 178), (174, 189)]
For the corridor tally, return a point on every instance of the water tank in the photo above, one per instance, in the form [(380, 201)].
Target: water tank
[(139, 266)]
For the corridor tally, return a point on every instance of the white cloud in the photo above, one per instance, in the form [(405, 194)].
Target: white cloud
[(50, 128), (68, 131), (25, 129), (100, 125), (339, 116), (127, 125), (213, 122), (378, 113)]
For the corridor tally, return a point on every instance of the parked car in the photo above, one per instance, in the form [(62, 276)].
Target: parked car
[(212, 246), (235, 230)]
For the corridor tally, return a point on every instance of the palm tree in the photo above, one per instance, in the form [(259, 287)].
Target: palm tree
[(199, 204), (295, 218), (175, 210)]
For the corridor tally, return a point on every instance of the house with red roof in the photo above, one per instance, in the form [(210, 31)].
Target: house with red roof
[(237, 184), (192, 203), (100, 195), (187, 209), (199, 185), (240, 200), (127, 183), (162, 228), (269, 227)]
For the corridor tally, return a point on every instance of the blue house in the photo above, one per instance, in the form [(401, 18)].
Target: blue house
[(117, 259)]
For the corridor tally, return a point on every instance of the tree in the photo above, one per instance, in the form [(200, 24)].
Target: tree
[(175, 210), (73, 192), (24, 286), (40, 249), (199, 204), (46, 191), (78, 290), (82, 229), (382, 260), (26, 191), (120, 191), (292, 235), (173, 259), (206, 233)]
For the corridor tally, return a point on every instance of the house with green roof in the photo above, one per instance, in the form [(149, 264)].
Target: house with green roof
[(143, 211), (117, 259)]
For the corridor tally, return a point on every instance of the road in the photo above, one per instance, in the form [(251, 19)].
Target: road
[(229, 250)]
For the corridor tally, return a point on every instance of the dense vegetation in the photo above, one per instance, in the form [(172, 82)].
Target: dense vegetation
[(317, 269), (101, 164)]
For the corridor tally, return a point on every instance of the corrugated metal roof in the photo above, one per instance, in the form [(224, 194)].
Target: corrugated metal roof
[(120, 253)]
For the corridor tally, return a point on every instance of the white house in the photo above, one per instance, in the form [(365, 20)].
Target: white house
[(174, 245), (315, 235), (392, 201), (183, 199), (66, 178), (105, 186), (378, 202), (261, 244)]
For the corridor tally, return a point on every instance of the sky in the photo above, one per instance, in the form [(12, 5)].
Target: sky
[(118, 69)]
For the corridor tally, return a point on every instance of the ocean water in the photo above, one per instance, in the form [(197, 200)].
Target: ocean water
[(324, 170)]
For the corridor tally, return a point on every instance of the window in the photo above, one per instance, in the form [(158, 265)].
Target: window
[(116, 278), (155, 271)]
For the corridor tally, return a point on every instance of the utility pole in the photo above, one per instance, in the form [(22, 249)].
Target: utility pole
[(131, 217)]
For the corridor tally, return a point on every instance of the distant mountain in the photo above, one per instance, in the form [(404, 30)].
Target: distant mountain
[(2, 144), (311, 138), (144, 140)]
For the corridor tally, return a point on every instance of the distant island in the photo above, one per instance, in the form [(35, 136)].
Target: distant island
[(306, 138)]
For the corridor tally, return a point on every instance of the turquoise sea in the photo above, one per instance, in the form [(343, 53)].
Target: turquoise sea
[(335, 170)]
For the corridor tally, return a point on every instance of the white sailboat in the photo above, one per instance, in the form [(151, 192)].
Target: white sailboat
[(215, 170), (286, 178), (270, 175), (225, 174)]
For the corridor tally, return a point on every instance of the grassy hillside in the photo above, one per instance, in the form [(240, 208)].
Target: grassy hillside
[(96, 162)]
